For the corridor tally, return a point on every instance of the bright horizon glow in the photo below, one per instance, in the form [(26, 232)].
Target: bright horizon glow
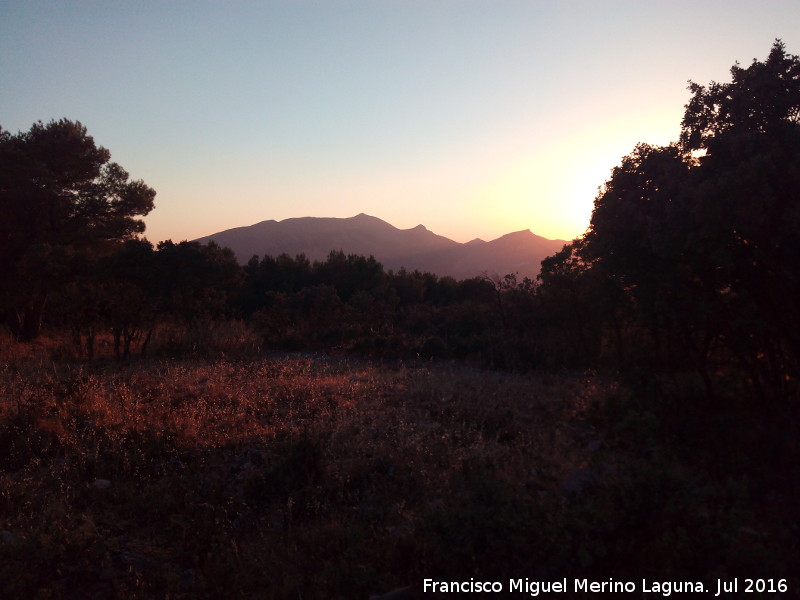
[(473, 117)]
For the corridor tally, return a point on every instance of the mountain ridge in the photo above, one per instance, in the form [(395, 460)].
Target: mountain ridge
[(416, 248)]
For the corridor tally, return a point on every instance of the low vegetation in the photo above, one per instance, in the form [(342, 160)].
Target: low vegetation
[(311, 476)]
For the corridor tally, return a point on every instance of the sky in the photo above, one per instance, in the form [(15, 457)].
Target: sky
[(475, 118)]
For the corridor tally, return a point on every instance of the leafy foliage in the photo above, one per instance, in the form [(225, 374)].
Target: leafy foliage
[(703, 250), (62, 201)]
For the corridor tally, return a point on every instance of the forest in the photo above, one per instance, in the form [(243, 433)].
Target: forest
[(174, 424)]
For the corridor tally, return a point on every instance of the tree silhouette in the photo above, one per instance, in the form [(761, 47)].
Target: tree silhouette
[(197, 281), (61, 199), (703, 237), (762, 98)]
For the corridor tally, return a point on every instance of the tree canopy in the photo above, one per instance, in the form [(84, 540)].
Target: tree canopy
[(61, 199), (703, 236)]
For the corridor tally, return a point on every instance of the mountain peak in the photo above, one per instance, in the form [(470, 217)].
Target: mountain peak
[(365, 220), (417, 248)]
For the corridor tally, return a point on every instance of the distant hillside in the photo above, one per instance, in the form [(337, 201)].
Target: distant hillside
[(417, 248)]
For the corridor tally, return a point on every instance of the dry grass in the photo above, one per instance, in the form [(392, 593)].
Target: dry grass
[(313, 477)]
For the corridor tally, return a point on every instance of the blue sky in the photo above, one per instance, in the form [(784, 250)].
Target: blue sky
[(475, 118)]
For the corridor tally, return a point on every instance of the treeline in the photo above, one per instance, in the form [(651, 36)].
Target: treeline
[(135, 287), (344, 303), (691, 265)]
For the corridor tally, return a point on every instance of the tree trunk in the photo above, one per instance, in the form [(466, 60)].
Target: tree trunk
[(145, 342), (90, 337), (117, 336), (28, 323)]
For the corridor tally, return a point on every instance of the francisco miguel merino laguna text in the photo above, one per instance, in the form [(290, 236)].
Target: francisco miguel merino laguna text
[(534, 588)]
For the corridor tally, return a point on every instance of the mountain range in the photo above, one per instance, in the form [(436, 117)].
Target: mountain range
[(417, 248)]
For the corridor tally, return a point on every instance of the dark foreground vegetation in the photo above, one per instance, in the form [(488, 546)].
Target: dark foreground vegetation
[(314, 477), (177, 425)]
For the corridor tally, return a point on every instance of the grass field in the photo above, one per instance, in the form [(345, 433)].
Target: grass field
[(311, 477)]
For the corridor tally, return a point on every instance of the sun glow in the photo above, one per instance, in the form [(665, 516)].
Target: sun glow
[(552, 191)]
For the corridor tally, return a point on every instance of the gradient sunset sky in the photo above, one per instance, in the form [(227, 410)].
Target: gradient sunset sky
[(474, 118)]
